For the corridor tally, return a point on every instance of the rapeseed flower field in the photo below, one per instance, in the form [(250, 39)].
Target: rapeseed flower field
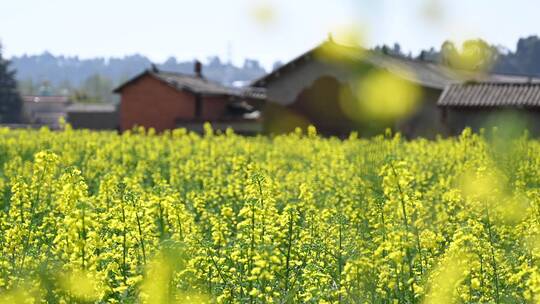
[(96, 217)]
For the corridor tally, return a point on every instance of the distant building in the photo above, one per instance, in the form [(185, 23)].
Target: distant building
[(44, 110), (165, 100), (483, 105), (93, 116), (310, 90)]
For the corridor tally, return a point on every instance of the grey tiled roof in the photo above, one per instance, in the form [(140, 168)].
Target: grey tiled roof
[(45, 99), (198, 85), (491, 94), (425, 73), (206, 87), (435, 75), (83, 107), (192, 83)]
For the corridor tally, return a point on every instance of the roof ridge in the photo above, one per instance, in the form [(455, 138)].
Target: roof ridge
[(497, 83), (170, 72), (193, 76)]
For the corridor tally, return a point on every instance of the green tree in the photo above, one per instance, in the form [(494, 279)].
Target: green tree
[(27, 87), (65, 88), (95, 89), (10, 100)]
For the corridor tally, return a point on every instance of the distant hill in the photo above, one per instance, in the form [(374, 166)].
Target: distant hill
[(92, 80), (72, 71)]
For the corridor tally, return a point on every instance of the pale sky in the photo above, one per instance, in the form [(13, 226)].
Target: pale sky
[(283, 30)]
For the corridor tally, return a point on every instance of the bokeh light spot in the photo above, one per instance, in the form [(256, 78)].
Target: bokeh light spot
[(383, 96), (264, 14)]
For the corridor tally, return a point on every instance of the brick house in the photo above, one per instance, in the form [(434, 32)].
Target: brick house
[(166, 100)]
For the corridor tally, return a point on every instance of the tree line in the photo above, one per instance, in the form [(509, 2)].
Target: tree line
[(92, 80), (479, 55)]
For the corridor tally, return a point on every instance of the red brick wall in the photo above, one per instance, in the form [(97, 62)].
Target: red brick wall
[(214, 108), (151, 103)]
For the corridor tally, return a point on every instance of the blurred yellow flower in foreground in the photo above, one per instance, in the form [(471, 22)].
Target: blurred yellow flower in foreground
[(22, 295), (343, 42), (158, 286), (81, 285), (382, 96), (446, 278), (481, 184), (348, 35), (263, 13)]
